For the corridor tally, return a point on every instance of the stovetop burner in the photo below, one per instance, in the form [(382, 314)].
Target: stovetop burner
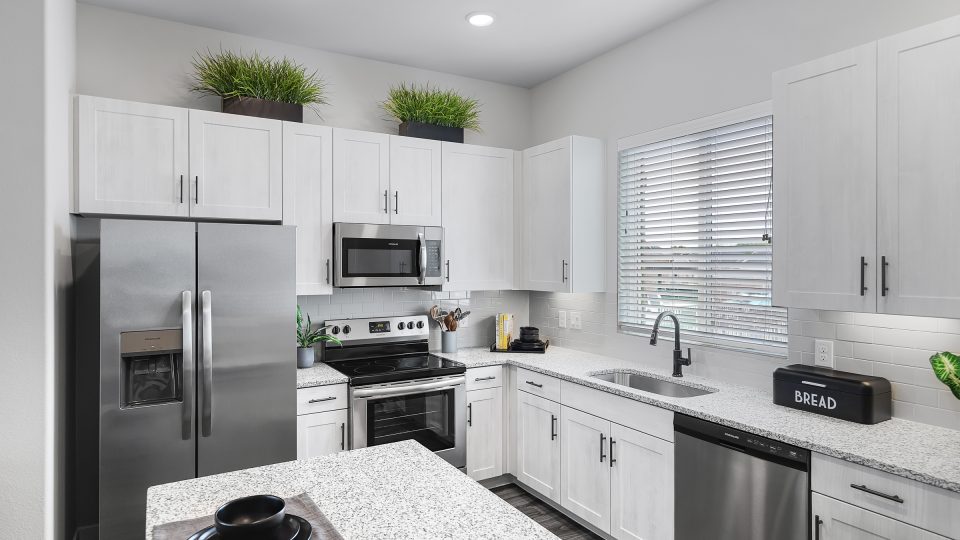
[(396, 368)]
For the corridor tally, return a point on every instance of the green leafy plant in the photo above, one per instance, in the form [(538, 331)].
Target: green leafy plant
[(947, 368), (228, 74), (432, 106), (307, 336)]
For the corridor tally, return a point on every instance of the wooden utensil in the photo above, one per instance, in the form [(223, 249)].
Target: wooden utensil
[(450, 322)]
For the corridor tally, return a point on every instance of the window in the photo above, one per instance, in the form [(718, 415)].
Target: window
[(694, 212)]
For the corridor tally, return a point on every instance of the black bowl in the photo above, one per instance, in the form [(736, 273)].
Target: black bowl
[(249, 517)]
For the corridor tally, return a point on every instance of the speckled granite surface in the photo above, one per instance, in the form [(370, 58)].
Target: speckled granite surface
[(393, 491), (908, 449), (319, 375)]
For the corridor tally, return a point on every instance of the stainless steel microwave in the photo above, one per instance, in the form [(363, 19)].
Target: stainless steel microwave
[(370, 255)]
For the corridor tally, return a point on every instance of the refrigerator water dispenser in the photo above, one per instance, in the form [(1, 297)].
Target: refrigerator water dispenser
[(151, 365)]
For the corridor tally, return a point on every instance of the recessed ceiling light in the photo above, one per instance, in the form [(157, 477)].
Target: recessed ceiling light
[(480, 19)]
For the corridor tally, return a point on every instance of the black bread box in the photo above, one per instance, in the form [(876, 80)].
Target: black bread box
[(840, 394)]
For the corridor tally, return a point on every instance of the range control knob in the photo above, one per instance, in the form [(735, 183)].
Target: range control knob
[(346, 329), (419, 324), (335, 330), (401, 326)]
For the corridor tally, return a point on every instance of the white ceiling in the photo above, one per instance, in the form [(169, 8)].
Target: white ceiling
[(531, 41)]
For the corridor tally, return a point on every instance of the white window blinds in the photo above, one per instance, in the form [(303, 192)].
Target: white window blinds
[(692, 217)]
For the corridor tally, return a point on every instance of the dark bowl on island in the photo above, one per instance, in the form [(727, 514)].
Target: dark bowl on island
[(249, 517)]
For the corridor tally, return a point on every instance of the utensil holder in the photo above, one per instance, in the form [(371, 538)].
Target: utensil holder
[(448, 342)]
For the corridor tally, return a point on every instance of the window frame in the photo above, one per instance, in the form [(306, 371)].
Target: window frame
[(726, 118)]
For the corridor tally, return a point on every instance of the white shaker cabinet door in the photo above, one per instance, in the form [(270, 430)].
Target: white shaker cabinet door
[(485, 433), (824, 183), (547, 216), (585, 469), (235, 167), (478, 193), (641, 485), (919, 171), (131, 158), (414, 181), (308, 202), (361, 176), (319, 434), (538, 444), (837, 520)]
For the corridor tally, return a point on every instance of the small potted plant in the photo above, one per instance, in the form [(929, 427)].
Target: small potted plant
[(431, 113), (307, 337), (258, 85)]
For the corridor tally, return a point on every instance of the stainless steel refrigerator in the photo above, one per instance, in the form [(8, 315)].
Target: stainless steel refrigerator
[(186, 358)]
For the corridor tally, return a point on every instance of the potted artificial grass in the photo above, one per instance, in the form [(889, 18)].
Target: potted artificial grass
[(258, 86), (431, 113)]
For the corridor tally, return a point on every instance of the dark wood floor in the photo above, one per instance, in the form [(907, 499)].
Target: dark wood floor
[(550, 519)]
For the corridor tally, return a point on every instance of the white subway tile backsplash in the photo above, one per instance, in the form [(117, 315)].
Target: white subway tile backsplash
[(914, 394), (820, 330), (849, 332), (907, 374)]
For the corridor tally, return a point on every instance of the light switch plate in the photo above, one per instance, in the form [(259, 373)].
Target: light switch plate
[(823, 353), (575, 320), (562, 318)]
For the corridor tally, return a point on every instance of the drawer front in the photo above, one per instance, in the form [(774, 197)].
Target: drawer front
[(538, 384), (922, 505), (321, 398), (484, 377), (620, 410)]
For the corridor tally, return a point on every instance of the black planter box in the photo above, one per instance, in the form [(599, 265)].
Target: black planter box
[(248, 106), (848, 396), (431, 131)]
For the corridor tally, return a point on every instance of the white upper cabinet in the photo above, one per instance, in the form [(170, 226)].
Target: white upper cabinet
[(131, 158), (919, 170), (563, 216), (308, 202), (361, 176), (235, 167), (414, 181), (478, 193), (824, 183)]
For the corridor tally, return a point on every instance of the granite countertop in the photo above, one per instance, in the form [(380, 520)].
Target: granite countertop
[(399, 490), (319, 375), (909, 449)]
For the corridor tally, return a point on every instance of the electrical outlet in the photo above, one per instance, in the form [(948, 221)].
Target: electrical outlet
[(575, 320), (823, 353), (562, 318)]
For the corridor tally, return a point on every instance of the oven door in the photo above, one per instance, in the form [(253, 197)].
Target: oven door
[(367, 255), (429, 411)]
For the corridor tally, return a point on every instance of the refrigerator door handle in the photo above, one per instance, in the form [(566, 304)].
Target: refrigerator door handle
[(186, 321), (206, 395)]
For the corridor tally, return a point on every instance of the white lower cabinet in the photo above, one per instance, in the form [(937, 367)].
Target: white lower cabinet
[(538, 444), (615, 478), (837, 520), (321, 433), (485, 433)]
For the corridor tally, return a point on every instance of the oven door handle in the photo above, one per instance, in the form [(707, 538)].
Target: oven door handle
[(422, 258), (392, 391)]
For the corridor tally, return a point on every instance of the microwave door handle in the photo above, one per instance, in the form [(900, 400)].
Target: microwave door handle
[(206, 323), (186, 321), (423, 258)]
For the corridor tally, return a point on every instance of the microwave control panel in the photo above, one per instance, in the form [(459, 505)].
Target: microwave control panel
[(434, 256)]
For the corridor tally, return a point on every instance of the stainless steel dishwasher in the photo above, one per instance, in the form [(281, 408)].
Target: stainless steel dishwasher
[(733, 485)]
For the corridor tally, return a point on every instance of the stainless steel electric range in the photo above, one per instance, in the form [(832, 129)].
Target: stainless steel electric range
[(398, 390)]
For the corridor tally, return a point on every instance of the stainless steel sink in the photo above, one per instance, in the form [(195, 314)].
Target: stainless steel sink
[(652, 385)]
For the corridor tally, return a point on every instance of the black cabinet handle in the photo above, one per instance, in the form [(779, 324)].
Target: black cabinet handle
[(328, 271), (863, 271), (469, 414), (531, 383), (448, 270), (396, 202), (865, 489), (602, 455), (883, 276), (343, 436), (553, 427), (181, 189), (386, 195), (817, 522), (612, 459)]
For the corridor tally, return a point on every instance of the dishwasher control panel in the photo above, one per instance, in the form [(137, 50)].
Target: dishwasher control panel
[(741, 440)]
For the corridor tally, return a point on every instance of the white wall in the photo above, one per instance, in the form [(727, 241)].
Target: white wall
[(37, 40), (139, 58), (718, 58)]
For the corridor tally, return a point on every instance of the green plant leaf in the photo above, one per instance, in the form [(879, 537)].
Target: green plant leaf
[(432, 106), (947, 368)]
